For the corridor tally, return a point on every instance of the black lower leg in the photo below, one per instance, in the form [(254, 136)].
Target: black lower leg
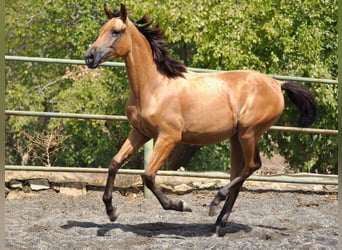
[(107, 196), (165, 201), (223, 193), (222, 219)]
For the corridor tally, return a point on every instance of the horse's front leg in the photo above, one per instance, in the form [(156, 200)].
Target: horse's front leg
[(162, 149), (133, 142)]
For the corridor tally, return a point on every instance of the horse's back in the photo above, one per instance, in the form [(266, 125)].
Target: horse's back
[(241, 85)]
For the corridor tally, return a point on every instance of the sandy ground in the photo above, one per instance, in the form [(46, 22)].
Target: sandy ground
[(260, 220)]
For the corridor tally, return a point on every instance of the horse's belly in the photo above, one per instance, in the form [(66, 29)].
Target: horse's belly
[(208, 135), (205, 138)]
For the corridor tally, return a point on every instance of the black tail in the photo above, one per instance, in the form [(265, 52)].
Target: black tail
[(304, 100)]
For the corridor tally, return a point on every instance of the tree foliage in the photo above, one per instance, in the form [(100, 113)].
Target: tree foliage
[(292, 37)]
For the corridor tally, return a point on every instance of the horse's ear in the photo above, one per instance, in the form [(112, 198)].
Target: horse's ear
[(108, 12), (123, 13)]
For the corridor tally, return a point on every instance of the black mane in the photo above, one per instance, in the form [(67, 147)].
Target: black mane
[(165, 64)]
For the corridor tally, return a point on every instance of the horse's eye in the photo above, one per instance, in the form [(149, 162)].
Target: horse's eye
[(115, 32)]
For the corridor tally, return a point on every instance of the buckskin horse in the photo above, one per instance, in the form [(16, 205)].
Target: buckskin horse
[(175, 106)]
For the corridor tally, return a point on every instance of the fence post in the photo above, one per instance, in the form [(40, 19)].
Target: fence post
[(148, 148)]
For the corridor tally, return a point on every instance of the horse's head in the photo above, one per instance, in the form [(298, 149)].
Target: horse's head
[(113, 40)]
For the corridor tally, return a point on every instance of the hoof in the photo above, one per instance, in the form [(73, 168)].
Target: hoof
[(212, 210), (215, 232), (113, 216), (186, 207), (218, 231)]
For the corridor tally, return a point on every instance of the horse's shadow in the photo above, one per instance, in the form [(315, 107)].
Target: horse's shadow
[(160, 229)]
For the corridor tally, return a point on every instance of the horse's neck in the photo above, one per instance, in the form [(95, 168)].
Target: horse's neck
[(141, 69)]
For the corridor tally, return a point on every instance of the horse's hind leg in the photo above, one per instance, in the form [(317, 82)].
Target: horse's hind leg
[(236, 157), (232, 195), (243, 166), (161, 151), (134, 141)]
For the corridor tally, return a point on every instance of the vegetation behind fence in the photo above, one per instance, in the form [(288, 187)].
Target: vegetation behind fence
[(287, 38)]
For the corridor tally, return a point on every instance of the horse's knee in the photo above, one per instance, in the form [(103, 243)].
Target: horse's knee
[(113, 167)]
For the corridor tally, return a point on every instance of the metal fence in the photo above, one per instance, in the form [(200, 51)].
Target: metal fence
[(148, 146), (121, 65)]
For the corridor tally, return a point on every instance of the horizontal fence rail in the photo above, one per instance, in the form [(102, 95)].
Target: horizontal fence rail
[(124, 118), (120, 64), (66, 115), (288, 178)]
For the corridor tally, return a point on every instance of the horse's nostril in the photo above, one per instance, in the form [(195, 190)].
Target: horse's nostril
[(89, 58)]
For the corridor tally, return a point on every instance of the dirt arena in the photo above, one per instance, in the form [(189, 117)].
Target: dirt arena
[(260, 220)]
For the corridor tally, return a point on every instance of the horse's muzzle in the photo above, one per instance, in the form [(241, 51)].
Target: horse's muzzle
[(92, 58)]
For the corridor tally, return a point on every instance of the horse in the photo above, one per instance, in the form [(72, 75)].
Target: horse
[(174, 106)]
